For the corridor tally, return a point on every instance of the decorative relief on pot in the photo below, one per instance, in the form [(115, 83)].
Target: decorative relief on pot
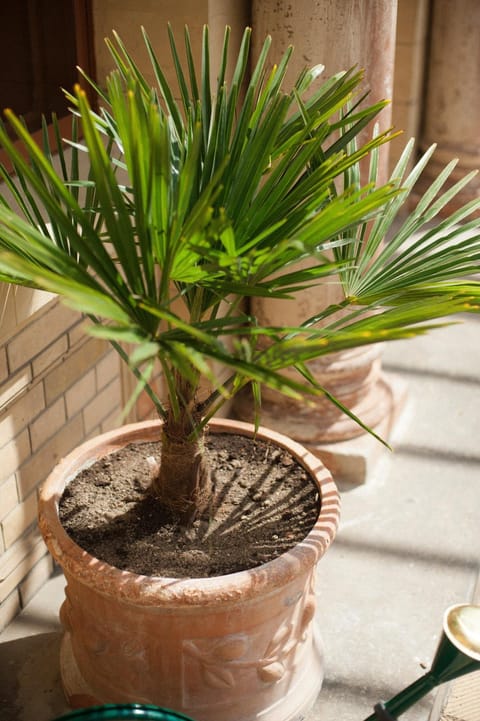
[(66, 610), (133, 651), (99, 647), (64, 613), (219, 660), (307, 617), (246, 661)]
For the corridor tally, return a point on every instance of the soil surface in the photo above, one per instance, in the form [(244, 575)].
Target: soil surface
[(265, 503)]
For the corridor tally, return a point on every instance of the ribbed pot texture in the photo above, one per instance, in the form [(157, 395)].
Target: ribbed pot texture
[(237, 647)]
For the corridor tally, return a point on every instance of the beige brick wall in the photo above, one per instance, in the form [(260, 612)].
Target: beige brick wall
[(57, 388)]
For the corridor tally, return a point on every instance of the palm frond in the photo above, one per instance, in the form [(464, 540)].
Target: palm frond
[(201, 202)]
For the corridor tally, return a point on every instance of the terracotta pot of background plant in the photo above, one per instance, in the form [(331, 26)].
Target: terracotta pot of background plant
[(226, 648)]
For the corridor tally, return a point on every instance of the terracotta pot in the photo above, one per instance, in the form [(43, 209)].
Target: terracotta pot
[(229, 648), (354, 377)]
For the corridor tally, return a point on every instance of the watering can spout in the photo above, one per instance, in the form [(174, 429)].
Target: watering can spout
[(458, 653)]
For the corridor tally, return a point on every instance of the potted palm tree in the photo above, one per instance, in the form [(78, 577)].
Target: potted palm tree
[(187, 209)]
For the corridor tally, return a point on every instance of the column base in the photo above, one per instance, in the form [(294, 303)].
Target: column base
[(349, 453), (354, 460)]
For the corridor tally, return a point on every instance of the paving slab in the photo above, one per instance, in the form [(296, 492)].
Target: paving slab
[(397, 563), (30, 687)]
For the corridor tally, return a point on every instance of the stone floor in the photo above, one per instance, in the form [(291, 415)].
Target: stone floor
[(408, 547)]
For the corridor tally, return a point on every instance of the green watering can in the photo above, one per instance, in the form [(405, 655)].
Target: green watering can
[(124, 711), (458, 653)]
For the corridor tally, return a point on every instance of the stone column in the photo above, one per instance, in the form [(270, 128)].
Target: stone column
[(235, 14), (452, 110), (338, 34), (409, 79)]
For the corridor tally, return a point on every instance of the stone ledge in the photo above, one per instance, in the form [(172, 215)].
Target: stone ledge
[(355, 460)]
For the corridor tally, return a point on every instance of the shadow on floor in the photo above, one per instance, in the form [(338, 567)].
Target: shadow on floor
[(30, 687)]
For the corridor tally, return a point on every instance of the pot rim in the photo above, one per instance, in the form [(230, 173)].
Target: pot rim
[(159, 590)]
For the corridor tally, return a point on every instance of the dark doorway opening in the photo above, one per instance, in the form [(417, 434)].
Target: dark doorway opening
[(41, 44)]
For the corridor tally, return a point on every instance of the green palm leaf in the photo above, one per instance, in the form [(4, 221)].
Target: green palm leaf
[(187, 208)]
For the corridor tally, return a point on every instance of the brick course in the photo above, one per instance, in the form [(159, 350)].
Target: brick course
[(73, 367), (18, 416), (3, 365), (18, 562), (38, 335), (80, 393), (98, 409), (9, 608), (57, 387), (19, 519), (37, 467), (9, 496), (35, 579), (47, 424), (14, 386), (50, 356), (13, 453)]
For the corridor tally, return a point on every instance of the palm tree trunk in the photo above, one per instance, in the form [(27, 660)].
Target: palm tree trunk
[(184, 484)]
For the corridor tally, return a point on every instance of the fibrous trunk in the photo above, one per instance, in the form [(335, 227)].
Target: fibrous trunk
[(183, 484)]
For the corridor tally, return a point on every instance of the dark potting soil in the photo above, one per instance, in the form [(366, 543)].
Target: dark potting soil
[(265, 503)]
